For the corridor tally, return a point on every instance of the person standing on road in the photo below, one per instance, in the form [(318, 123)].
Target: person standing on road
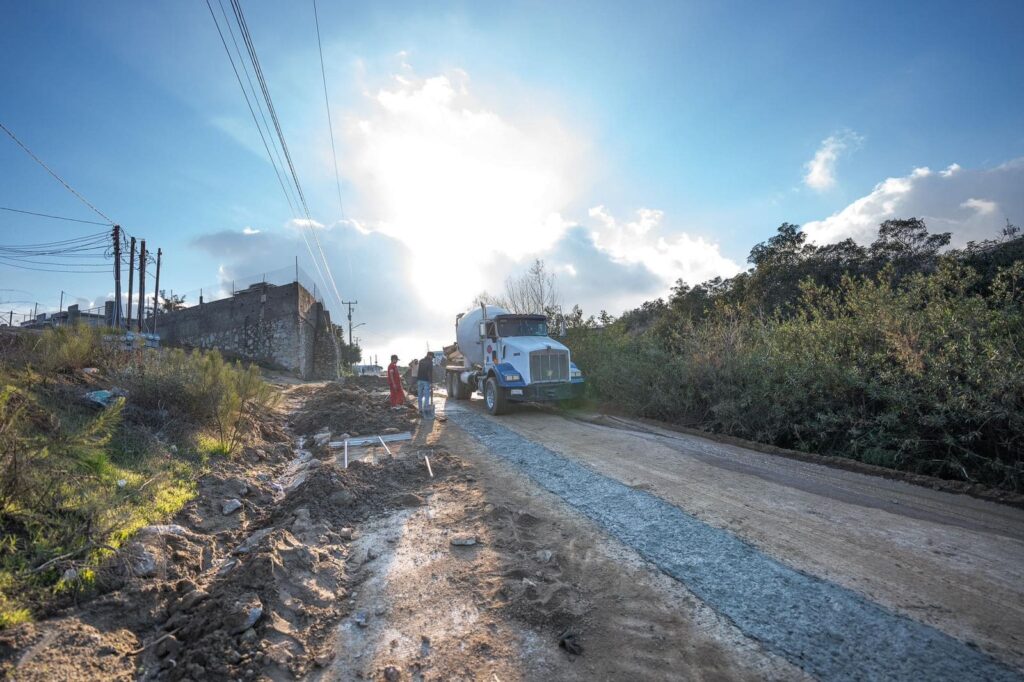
[(424, 375), (395, 383)]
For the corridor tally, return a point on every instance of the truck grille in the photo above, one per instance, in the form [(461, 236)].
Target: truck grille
[(549, 365)]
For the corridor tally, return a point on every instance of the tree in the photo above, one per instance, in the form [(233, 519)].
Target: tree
[(533, 293), (575, 319), (171, 302), (348, 354), (908, 246)]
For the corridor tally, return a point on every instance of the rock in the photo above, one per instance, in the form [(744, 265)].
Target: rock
[(244, 613), (324, 659), (322, 438), (192, 598), (380, 610), (249, 636), (391, 674), (390, 431), (361, 619), (410, 500), (346, 533), (168, 647), (544, 555), (69, 575), (231, 506), (251, 541), (143, 562), (464, 540), (343, 498)]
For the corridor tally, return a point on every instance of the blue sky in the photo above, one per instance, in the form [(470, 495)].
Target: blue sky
[(627, 144)]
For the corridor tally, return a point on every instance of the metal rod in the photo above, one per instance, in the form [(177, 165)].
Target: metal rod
[(385, 445)]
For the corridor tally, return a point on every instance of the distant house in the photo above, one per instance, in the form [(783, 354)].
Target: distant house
[(73, 315)]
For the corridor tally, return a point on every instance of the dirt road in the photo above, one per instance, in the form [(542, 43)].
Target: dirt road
[(842, 574), (537, 547)]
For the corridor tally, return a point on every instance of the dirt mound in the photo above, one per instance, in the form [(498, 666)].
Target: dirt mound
[(369, 383), (345, 408)]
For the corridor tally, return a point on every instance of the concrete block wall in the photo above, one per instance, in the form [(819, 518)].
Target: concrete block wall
[(276, 326)]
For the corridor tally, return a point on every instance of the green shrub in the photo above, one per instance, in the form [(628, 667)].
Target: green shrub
[(926, 375), (201, 388)]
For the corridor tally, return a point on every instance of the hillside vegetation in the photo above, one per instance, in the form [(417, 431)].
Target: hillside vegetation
[(77, 478), (903, 354)]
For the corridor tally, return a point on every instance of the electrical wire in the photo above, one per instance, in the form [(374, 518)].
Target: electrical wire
[(55, 217), (256, 99), (257, 69), (57, 177), (227, 50), (327, 105)]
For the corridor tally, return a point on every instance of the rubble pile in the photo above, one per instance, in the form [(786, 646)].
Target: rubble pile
[(347, 407)]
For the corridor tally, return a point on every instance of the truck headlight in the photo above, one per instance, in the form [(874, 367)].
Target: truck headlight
[(512, 377), (575, 373)]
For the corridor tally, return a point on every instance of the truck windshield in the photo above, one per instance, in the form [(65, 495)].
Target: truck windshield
[(522, 327)]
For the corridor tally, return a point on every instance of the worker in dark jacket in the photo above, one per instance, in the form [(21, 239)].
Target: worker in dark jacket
[(424, 375)]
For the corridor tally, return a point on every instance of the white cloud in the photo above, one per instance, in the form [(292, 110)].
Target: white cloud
[(445, 174), (668, 256), (821, 170), (946, 200), (981, 205), (298, 224), (250, 230)]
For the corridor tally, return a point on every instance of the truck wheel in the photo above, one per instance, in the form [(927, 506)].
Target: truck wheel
[(456, 389), (494, 397)]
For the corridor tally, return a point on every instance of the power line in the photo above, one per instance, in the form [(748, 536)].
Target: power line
[(57, 177), (270, 157), (259, 107), (55, 217), (327, 104), (257, 69), (227, 51)]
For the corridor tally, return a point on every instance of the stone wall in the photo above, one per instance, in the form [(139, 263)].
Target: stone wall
[(277, 326)]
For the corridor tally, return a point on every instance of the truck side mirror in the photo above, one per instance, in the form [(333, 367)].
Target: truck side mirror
[(561, 326)]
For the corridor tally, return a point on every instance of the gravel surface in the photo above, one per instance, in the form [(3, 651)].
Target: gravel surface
[(829, 631)]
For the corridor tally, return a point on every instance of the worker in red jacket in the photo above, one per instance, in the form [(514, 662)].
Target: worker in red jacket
[(395, 383)]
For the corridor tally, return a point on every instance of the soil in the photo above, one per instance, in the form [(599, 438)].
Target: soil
[(466, 568), (358, 406)]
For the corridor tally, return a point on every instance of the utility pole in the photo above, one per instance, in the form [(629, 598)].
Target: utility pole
[(142, 282), (116, 322), (60, 308), (156, 287), (131, 280), (350, 304)]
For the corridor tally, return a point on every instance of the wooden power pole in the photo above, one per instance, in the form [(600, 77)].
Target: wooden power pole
[(131, 280), (156, 288), (116, 322), (142, 282)]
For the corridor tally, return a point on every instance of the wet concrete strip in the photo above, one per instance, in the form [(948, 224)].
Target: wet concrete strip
[(827, 630)]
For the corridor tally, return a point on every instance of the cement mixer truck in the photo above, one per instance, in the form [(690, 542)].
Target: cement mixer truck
[(509, 358)]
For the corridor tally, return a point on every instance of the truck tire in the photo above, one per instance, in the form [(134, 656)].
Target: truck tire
[(494, 397), (456, 389)]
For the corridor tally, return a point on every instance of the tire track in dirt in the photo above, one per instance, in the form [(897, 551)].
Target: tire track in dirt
[(827, 630)]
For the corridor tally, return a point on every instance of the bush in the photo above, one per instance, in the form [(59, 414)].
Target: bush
[(200, 388), (76, 482), (926, 375)]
